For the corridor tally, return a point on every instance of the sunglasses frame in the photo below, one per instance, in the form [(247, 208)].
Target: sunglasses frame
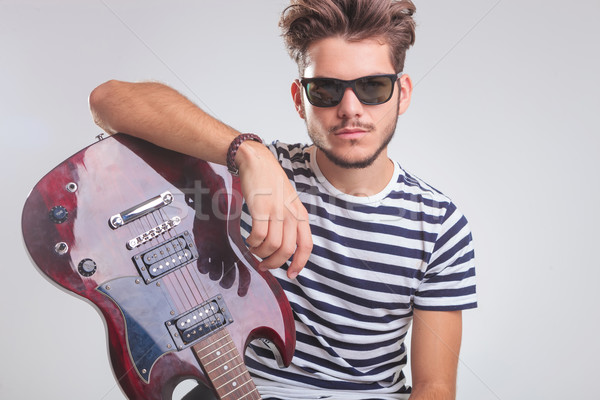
[(350, 84)]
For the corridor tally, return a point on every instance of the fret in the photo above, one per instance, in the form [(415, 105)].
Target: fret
[(220, 355), (225, 368), (229, 372), (239, 387), (209, 343), (232, 381), (254, 393)]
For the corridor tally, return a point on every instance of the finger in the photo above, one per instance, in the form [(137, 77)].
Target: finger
[(285, 249), (304, 245), (272, 241), (258, 233)]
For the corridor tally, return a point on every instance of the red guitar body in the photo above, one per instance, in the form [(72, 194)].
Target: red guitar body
[(151, 238)]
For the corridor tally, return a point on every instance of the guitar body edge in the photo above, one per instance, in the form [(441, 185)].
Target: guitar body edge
[(172, 274)]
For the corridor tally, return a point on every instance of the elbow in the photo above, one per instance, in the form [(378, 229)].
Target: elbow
[(100, 101), (101, 94)]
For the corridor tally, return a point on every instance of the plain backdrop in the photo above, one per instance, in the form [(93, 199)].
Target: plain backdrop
[(504, 120)]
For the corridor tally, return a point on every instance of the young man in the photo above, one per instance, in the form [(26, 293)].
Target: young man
[(366, 247)]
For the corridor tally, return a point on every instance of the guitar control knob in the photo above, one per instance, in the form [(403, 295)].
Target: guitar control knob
[(86, 267), (58, 214)]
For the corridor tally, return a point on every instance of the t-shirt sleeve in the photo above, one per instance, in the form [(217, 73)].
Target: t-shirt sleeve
[(449, 280)]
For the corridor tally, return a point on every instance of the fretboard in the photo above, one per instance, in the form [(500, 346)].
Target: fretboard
[(225, 368)]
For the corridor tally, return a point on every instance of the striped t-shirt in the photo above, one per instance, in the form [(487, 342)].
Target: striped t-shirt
[(373, 259)]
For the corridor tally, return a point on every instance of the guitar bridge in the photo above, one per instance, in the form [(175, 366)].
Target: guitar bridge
[(199, 322), (166, 257), (153, 233), (140, 210)]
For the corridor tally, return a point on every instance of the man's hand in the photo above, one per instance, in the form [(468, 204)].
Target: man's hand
[(435, 342), (280, 226)]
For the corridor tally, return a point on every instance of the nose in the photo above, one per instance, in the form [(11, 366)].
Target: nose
[(349, 106)]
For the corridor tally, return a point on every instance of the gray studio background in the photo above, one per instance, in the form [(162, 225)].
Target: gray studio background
[(503, 119)]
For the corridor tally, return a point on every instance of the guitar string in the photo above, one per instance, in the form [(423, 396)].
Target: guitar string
[(173, 281), (195, 286), (236, 359), (197, 280), (144, 224), (177, 281), (174, 286), (177, 276), (149, 245), (245, 374)]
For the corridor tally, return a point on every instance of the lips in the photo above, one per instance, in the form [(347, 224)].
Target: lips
[(350, 133)]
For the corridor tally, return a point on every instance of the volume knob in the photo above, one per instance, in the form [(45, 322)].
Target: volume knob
[(58, 214), (86, 267)]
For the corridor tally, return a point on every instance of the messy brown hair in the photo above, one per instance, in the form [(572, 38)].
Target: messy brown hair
[(304, 22)]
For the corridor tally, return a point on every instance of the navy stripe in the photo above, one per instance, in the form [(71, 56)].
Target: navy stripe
[(377, 208), (450, 253), (343, 329), (458, 307), (383, 361), (450, 210), (326, 322), (317, 382), (344, 312), (456, 277), (374, 266), (413, 181), (418, 198), (312, 341), (361, 244), (463, 291), (375, 227)]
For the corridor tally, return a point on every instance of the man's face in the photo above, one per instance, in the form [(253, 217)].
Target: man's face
[(350, 134)]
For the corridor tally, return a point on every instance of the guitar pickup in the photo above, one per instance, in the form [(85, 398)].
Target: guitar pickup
[(199, 322), (166, 257)]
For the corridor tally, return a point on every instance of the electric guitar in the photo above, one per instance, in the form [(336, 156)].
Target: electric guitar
[(151, 237)]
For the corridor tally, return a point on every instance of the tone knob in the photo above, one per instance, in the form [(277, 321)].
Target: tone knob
[(58, 214), (86, 267)]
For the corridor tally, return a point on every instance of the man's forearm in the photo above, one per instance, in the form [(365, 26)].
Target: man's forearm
[(435, 346), (159, 114)]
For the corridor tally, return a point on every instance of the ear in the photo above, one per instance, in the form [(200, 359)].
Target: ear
[(406, 88), (297, 97)]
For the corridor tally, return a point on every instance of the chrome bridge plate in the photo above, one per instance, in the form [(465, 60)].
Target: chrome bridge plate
[(140, 210)]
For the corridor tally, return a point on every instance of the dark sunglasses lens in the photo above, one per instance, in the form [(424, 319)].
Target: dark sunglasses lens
[(374, 89), (324, 92)]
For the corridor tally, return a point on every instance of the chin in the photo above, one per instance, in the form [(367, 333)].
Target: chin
[(357, 162)]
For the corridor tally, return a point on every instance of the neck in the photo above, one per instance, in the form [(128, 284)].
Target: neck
[(357, 181)]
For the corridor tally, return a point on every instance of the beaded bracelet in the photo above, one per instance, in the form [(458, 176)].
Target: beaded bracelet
[(233, 148)]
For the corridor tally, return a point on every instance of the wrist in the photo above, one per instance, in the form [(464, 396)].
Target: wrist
[(239, 150)]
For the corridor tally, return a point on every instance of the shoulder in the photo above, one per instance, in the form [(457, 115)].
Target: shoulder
[(418, 187), (293, 158), (448, 282), (434, 204), (297, 152)]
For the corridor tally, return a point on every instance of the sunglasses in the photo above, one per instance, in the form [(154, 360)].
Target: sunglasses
[(370, 90)]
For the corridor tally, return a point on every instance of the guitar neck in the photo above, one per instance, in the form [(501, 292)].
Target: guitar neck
[(225, 368)]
